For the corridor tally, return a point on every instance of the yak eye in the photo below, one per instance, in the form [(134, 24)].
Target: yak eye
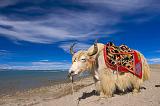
[(83, 60)]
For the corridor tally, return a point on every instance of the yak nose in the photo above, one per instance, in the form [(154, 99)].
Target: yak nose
[(71, 73)]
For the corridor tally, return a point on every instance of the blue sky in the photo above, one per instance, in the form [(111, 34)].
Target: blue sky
[(37, 34)]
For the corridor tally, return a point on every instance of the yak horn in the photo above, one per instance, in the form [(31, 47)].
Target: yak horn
[(95, 49), (71, 48)]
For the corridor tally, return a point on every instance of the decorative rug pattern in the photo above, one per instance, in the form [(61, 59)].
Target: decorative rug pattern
[(123, 59)]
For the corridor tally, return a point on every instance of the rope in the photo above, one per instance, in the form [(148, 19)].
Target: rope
[(72, 84), (117, 72)]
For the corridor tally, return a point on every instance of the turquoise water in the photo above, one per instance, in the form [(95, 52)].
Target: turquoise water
[(13, 80)]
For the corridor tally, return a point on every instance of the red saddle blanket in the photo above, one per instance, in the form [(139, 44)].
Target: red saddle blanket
[(123, 59)]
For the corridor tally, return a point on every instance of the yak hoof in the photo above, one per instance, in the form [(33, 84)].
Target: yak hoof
[(135, 91), (104, 96)]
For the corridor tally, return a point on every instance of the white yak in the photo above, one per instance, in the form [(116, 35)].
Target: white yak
[(106, 81)]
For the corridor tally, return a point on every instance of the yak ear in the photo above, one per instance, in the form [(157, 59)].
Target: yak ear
[(95, 50)]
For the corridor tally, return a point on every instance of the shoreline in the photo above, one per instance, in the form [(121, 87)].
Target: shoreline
[(46, 93), (23, 81), (84, 95)]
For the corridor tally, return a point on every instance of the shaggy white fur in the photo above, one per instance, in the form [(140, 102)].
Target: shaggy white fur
[(110, 81), (106, 81)]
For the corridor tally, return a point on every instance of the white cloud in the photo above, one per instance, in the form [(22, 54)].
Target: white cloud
[(154, 60), (54, 28), (44, 60), (31, 31), (38, 65), (4, 52), (65, 24), (4, 66), (78, 46), (4, 3), (157, 51), (127, 6)]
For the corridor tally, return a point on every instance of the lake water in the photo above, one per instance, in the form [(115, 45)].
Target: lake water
[(19, 80)]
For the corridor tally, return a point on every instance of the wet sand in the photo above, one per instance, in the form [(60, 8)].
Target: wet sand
[(84, 95)]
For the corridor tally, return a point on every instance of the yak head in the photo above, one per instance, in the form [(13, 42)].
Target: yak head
[(82, 60)]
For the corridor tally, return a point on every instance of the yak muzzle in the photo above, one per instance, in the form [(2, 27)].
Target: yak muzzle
[(71, 74)]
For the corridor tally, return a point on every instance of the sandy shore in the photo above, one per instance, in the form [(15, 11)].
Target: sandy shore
[(84, 95)]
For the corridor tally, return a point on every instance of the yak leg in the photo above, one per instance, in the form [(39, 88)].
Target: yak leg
[(97, 82), (107, 84), (136, 84), (98, 88)]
